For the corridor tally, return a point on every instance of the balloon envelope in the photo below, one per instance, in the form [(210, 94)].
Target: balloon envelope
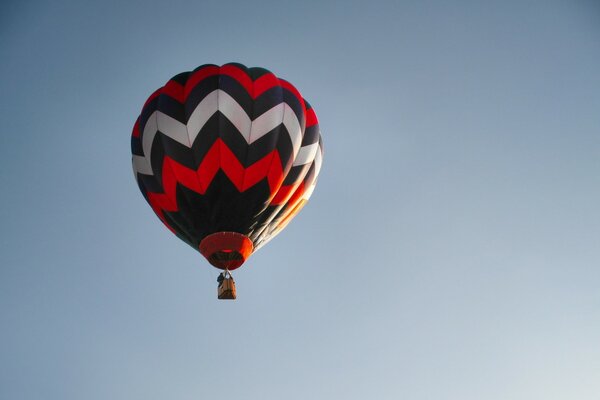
[(226, 157)]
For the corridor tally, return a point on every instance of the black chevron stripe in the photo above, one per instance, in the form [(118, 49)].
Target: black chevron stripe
[(205, 66), (198, 93), (136, 144), (171, 107), (277, 138), (256, 72), (181, 78), (311, 135), (221, 208), (263, 103), (296, 174), (146, 113), (180, 226), (150, 183)]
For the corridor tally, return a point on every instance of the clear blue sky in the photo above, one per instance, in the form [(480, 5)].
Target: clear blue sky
[(450, 251)]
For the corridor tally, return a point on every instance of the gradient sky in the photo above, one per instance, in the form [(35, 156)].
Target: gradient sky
[(450, 251)]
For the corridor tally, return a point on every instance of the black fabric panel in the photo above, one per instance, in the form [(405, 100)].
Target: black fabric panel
[(150, 183), (232, 137), (311, 135), (268, 99), (146, 113), (157, 157), (204, 66), (287, 157), (296, 174), (171, 107), (256, 72), (178, 152), (266, 144), (205, 139), (233, 88), (221, 208), (294, 103), (181, 78), (199, 92), (136, 146)]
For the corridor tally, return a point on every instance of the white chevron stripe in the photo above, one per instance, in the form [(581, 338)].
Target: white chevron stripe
[(306, 154), (141, 166), (235, 114), (218, 100), (293, 127), (205, 109), (308, 192), (266, 122), (177, 130), (318, 161)]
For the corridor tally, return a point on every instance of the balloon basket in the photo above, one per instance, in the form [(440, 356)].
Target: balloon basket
[(226, 290)]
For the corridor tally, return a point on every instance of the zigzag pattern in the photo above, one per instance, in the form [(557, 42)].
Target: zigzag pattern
[(217, 101), (226, 148)]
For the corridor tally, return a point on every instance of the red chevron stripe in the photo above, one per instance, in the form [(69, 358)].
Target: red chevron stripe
[(296, 197), (286, 85), (311, 117), (175, 90), (161, 202), (239, 75), (152, 97), (180, 93), (218, 157), (264, 83), (275, 175), (198, 77), (285, 193), (136, 128)]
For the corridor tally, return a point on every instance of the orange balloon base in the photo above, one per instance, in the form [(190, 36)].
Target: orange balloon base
[(226, 250)]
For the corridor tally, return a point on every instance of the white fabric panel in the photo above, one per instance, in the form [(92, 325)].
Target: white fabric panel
[(205, 109), (141, 165), (235, 113), (172, 128), (266, 123), (306, 154), (318, 162), (293, 127)]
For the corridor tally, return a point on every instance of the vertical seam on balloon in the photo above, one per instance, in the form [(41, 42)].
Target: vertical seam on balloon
[(271, 190), (248, 144), (220, 116), (192, 227), (273, 193), (187, 229), (196, 163)]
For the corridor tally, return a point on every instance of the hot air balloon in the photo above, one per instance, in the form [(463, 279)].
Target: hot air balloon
[(226, 156)]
